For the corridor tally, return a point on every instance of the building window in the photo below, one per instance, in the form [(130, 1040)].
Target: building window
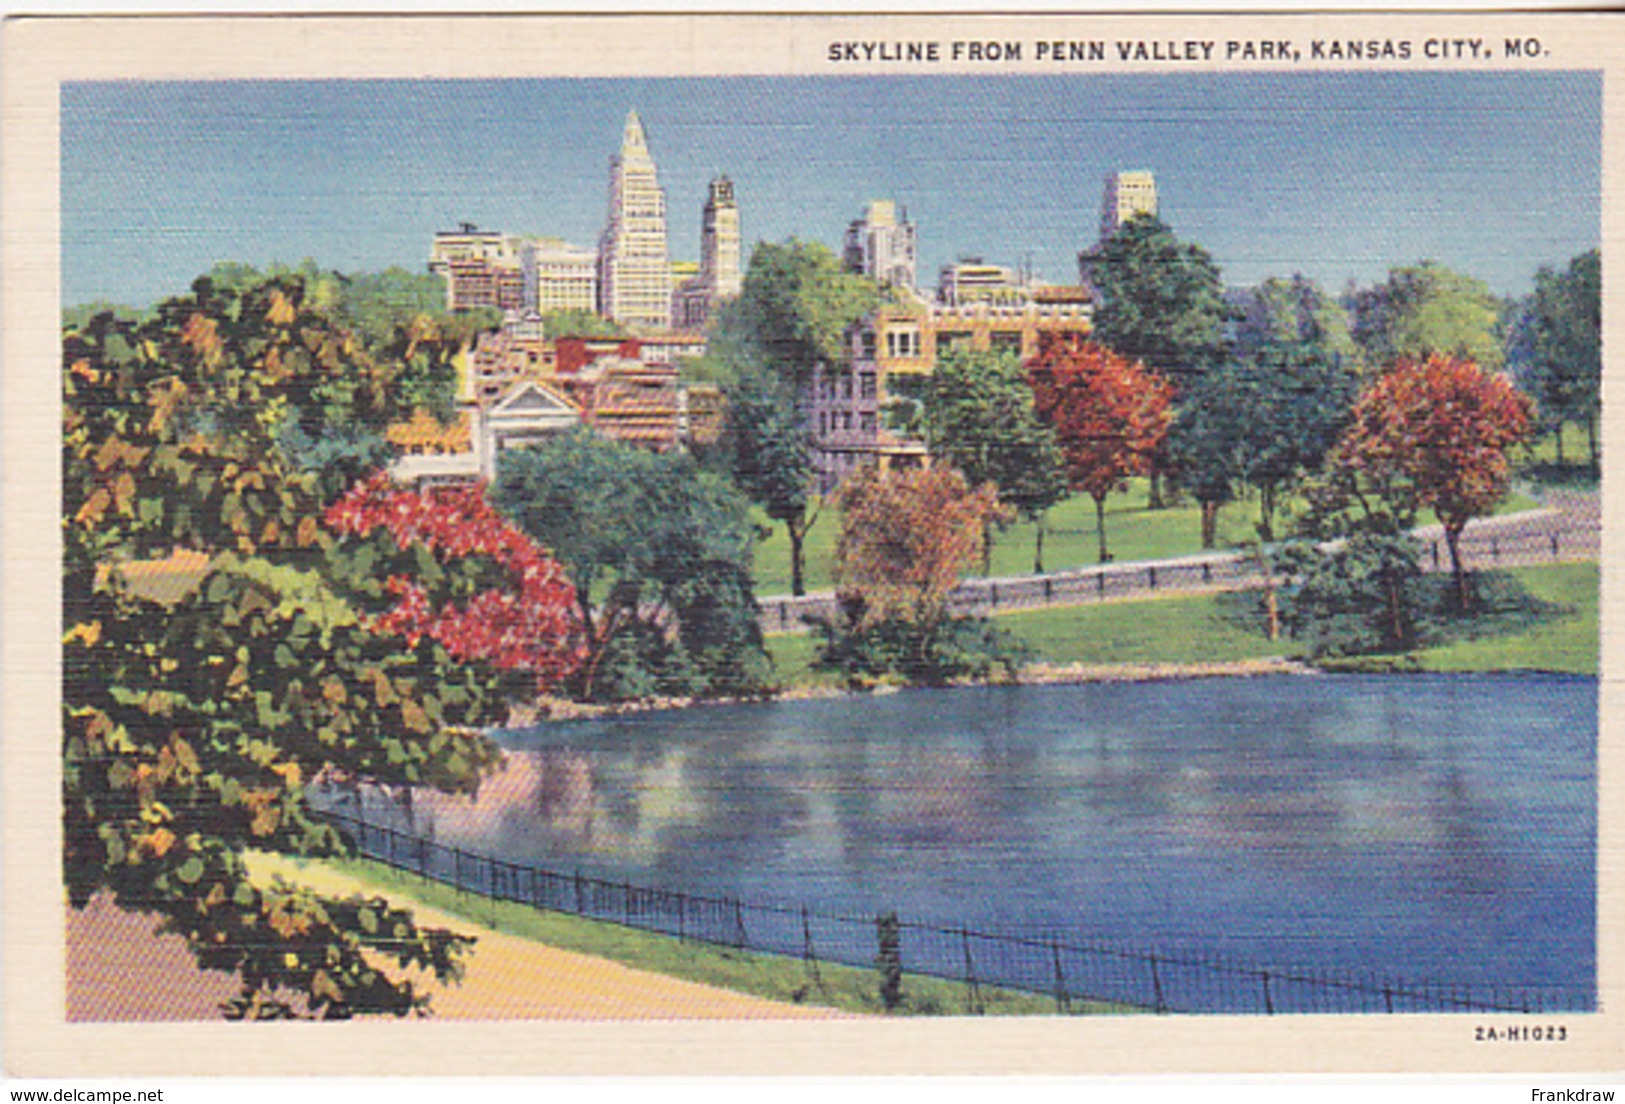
[(866, 385), (866, 421), (866, 343), (903, 343)]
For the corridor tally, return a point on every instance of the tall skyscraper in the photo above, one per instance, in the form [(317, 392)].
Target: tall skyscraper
[(881, 245), (1127, 194), (719, 277), (634, 273)]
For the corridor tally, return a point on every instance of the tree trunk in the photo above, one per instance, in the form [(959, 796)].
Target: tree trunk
[(1038, 545), (1452, 540), (1399, 639), (1560, 427), (1210, 522), (1154, 502), (1591, 437), (798, 534), (1266, 513), (987, 548), (1272, 607), (1100, 526)]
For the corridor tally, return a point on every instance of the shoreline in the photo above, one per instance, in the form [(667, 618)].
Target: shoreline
[(545, 710)]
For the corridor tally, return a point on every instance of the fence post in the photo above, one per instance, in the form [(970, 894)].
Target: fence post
[(1151, 574), (1388, 998), (808, 954), (1063, 999), (581, 894), (1495, 548), (1100, 583), (682, 915), (1047, 592), (740, 939), (1158, 1004), (975, 994), (1269, 1004), (993, 593), (1207, 572), (1435, 555), (457, 868), (423, 858), (1553, 539)]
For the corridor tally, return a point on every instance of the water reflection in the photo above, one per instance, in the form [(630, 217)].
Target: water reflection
[(1349, 818)]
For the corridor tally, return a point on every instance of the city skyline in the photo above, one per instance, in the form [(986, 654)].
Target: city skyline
[(161, 180)]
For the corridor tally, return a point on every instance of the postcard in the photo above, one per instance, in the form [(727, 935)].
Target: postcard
[(734, 544)]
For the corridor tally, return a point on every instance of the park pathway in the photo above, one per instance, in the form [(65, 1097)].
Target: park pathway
[(1565, 529)]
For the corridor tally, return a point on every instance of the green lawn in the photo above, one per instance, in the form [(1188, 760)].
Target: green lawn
[(1203, 628), (1568, 644), (775, 977), (1190, 629), (1132, 533)]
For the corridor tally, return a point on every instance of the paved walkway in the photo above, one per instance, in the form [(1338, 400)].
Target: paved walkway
[(120, 969), (1566, 528)]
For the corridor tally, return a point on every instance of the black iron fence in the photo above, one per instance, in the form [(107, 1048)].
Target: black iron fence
[(1486, 547), (1075, 975)]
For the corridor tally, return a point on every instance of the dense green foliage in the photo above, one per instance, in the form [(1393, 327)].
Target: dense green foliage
[(976, 412), (1566, 322), (1427, 309), (769, 453), (660, 553), (193, 727), (1162, 299)]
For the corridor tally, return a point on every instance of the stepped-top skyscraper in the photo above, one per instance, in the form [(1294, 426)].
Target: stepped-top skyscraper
[(719, 277), (634, 273)]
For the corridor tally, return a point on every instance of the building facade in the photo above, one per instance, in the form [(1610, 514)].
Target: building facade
[(634, 272), (566, 276), (720, 275), (881, 245), (846, 404)]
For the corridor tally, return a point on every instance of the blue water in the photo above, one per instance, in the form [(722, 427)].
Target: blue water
[(1432, 827)]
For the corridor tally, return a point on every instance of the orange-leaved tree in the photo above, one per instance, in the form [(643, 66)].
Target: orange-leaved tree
[(906, 538), (1435, 433), (1110, 415)]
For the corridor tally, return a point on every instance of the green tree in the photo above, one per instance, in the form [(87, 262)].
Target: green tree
[(1567, 338), (770, 451), (1162, 304), (660, 554), (1427, 309), (976, 412), (794, 308), (226, 644), (792, 315)]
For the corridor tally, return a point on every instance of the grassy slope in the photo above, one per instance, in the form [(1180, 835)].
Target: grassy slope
[(1132, 533), (1568, 644), (772, 976), (1196, 628)]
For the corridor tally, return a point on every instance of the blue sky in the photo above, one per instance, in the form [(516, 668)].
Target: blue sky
[(1337, 175)]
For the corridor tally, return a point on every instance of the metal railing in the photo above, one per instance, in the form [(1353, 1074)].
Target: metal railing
[(1489, 547), (1074, 975)]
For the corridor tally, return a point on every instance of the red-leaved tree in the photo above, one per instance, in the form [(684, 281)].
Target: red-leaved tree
[(1435, 433), (462, 575), (1110, 415)]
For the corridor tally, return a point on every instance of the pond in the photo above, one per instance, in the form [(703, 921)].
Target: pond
[(1435, 828)]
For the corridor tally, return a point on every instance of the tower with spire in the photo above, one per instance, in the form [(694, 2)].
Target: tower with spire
[(634, 272)]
